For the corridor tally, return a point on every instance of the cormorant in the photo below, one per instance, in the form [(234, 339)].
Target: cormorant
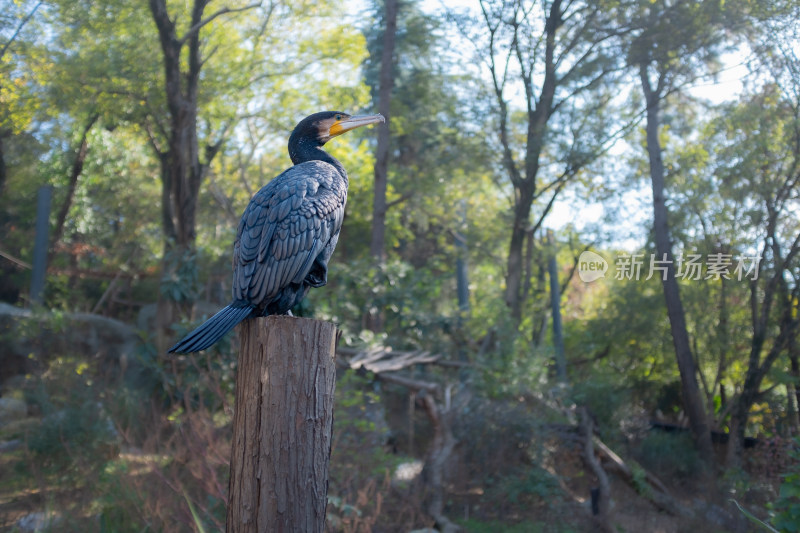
[(288, 231)]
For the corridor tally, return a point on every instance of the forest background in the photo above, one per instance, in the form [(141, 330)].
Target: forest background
[(490, 380)]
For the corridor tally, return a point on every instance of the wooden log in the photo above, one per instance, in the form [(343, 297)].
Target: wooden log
[(282, 426), (438, 454), (657, 493), (601, 500)]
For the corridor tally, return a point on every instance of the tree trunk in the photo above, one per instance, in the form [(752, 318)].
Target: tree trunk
[(692, 397), (515, 263), (385, 86), (77, 168), (39, 274), (3, 168), (555, 306), (377, 247), (794, 358), (282, 426), (601, 512), (440, 449), (723, 343), (182, 171), (539, 111), (757, 370), (182, 168)]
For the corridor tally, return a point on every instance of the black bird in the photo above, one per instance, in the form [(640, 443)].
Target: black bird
[(288, 231)]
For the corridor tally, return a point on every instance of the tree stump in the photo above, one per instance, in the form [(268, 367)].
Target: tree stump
[(282, 426)]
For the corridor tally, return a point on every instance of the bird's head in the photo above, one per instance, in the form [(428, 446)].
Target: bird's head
[(326, 125)]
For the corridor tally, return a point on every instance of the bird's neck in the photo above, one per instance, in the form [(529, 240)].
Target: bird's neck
[(305, 149)]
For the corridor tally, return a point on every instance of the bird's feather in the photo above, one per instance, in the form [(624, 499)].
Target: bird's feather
[(286, 226)]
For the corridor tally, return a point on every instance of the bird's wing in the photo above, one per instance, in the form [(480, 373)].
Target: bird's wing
[(284, 228)]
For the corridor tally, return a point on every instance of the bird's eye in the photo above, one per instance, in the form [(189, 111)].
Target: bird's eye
[(338, 117)]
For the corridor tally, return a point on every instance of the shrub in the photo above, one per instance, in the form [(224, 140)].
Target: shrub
[(670, 454), (787, 506)]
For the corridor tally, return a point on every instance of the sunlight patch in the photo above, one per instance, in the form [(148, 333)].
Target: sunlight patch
[(408, 471)]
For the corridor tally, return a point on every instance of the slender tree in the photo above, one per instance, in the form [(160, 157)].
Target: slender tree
[(673, 43), (692, 400), (562, 54), (385, 85), (377, 247), (77, 167), (766, 179)]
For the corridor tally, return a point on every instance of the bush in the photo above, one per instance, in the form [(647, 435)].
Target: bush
[(535, 482), (670, 454), (606, 398), (787, 506), (76, 436)]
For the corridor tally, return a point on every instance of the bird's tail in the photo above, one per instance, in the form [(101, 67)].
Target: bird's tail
[(212, 329)]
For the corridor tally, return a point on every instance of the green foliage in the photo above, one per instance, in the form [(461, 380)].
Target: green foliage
[(786, 508), (179, 281), (670, 453), (535, 482), (605, 397), (76, 434), (418, 312), (360, 464), (118, 503), (75, 429), (639, 476)]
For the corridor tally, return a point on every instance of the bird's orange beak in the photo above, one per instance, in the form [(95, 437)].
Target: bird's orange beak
[(351, 123)]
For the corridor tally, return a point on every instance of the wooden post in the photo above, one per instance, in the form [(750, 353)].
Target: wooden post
[(282, 426)]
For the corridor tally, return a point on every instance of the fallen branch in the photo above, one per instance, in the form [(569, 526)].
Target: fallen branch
[(409, 383), (385, 360), (601, 504), (656, 492)]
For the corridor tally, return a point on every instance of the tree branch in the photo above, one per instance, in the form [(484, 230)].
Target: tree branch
[(196, 27), (77, 168), (400, 200), (19, 29)]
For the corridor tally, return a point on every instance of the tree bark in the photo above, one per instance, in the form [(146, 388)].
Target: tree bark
[(602, 518), (183, 168), (182, 172), (555, 306), (374, 315), (540, 109), (282, 426), (3, 168), (77, 168), (440, 449), (692, 398), (794, 358), (385, 86)]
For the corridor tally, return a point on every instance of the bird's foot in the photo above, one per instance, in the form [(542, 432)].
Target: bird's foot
[(317, 278)]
